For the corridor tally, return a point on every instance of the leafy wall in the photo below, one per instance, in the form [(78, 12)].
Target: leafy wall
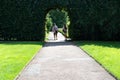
[(90, 19)]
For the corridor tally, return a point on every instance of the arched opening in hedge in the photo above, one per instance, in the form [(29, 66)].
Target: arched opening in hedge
[(60, 16), (90, 20)]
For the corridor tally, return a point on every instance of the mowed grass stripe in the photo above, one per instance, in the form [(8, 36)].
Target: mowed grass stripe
[(106, 53), (14, 56)]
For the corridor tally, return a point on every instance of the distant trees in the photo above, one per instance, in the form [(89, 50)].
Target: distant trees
[(48, 23), (60, 17)]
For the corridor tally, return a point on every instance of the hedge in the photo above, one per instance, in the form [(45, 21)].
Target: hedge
[(90, 20)]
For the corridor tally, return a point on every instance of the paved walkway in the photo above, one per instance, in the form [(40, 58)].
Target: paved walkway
[(60, 60)]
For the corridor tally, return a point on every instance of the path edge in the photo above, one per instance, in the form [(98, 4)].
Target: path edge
[(96, 61), (16, 78)]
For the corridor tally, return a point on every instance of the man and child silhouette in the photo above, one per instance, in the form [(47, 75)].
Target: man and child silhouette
[(55, 31)]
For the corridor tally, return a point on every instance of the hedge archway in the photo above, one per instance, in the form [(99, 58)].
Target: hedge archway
[(90, 20)]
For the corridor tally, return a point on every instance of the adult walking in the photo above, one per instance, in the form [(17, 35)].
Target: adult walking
[(55, 31)]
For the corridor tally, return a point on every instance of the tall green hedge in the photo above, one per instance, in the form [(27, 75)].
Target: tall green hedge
[(21, 20), (90, 19), (96, 20)]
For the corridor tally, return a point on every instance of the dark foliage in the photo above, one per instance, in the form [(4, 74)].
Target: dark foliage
[(90, 20)]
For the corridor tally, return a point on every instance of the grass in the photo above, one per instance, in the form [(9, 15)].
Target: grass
[(106, 53), (14, 56)]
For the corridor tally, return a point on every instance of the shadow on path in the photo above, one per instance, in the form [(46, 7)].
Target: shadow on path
[(53, 44)]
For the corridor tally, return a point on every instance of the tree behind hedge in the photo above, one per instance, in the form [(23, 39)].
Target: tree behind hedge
[(59, 17)]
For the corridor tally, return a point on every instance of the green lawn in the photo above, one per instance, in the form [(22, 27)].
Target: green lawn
[(14, 56), (106, 53)]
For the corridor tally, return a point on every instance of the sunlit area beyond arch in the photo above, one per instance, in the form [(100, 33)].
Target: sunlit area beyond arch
[(58, 16)]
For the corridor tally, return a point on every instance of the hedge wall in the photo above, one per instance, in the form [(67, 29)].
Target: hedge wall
[(96, 20), (90, 20), (21, 20)]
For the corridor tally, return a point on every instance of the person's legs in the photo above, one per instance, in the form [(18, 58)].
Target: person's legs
[(54, 35)]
